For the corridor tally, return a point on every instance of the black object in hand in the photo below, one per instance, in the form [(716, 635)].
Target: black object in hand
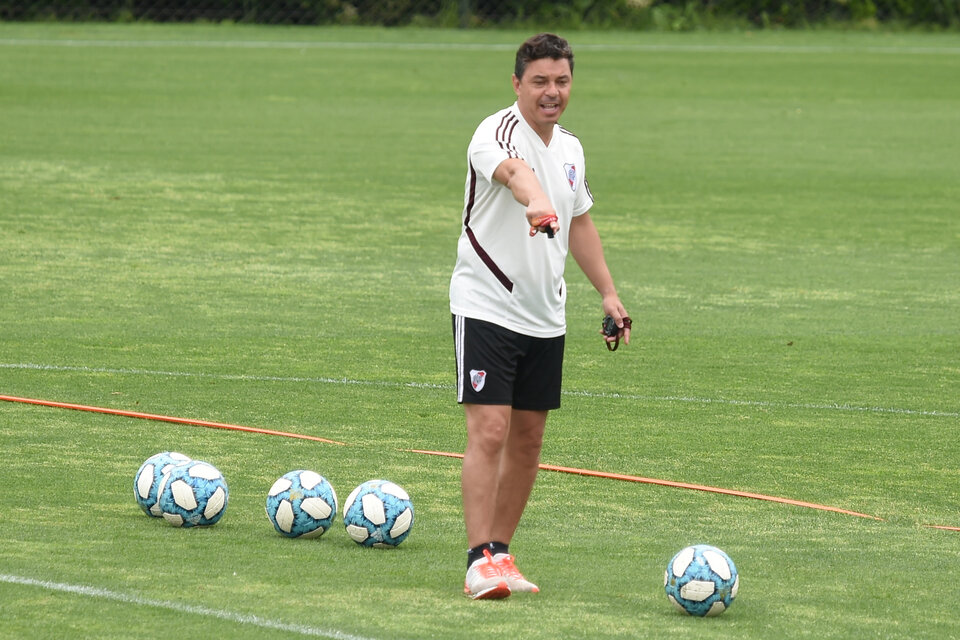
[(611, 330), (610, 327)]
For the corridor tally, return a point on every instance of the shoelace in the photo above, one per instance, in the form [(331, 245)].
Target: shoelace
[(508, 568), (488, 569)]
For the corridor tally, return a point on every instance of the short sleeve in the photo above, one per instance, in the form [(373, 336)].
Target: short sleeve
[(492, 143), (584, 198)]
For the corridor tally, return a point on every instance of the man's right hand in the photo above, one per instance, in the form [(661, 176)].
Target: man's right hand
[(545, 224)]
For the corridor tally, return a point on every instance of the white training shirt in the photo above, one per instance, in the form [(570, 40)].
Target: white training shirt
[(502, 275)]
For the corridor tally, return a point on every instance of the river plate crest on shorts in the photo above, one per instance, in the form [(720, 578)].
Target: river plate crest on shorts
[(477, 379)]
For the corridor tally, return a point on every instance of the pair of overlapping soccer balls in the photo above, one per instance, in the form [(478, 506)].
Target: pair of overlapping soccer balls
[(300, 504)]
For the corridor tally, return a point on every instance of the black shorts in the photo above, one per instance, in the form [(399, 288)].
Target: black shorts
[(499, 366)]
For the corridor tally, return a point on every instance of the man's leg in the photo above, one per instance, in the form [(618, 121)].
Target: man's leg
[(519, 464), (518, 472), (487, 430)]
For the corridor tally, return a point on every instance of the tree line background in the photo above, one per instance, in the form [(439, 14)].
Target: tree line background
[(664, 15)]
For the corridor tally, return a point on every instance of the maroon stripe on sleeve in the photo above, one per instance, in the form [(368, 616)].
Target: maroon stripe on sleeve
[(504, 134), (501, 132), (513, 126)]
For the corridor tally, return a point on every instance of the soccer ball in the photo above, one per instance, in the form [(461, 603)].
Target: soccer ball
[(193, 495), (378, 513), (701, 580), (147, 480), (301, 504)]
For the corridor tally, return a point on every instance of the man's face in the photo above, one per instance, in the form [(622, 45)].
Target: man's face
[(543, 92)]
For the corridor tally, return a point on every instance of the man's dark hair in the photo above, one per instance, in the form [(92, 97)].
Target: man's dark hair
[(542, 45)]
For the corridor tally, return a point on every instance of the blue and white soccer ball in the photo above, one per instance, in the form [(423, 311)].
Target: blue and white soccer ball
[(378, 513), (701, 580), (147, 480), (193, 495), (301, 504)]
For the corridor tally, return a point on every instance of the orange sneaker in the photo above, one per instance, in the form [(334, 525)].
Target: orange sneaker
[(512, 575), (484, 581)]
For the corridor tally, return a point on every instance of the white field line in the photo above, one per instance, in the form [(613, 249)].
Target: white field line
[(230, 616), (468, 46), (831, 406)]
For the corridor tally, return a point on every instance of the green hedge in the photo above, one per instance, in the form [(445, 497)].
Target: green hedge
[(678, 15), (669, 15)]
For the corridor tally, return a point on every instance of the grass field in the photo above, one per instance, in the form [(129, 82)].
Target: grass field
[(256, 226)]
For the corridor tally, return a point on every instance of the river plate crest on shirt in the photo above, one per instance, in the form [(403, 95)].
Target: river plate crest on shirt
[(571, 171)]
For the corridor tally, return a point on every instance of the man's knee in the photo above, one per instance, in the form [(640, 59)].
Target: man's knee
[(487, 427)]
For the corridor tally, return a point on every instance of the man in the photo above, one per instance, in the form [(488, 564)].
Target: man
[(526, 205)]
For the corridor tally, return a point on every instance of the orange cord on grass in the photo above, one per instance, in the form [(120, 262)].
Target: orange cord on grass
[(149, 416), (675, 485)]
